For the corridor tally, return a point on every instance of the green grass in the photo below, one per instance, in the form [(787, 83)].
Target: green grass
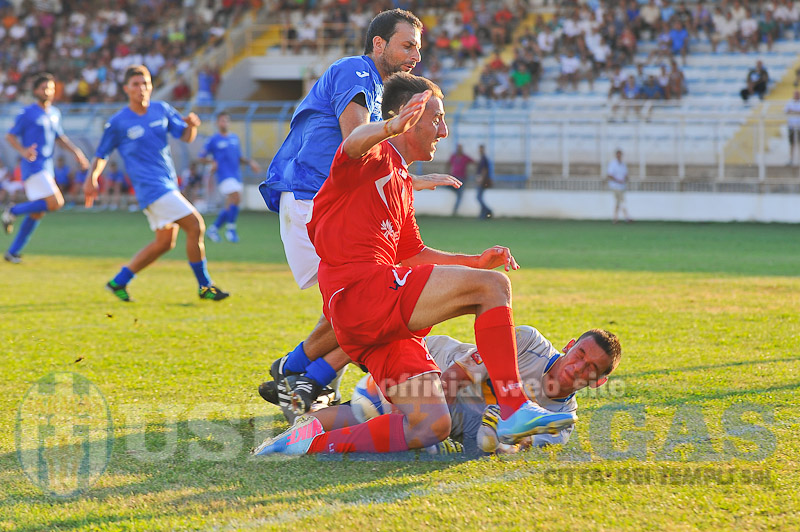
[(707, 314)]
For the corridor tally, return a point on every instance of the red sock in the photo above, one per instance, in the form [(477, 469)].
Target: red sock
[(383, 434), (497, 344)]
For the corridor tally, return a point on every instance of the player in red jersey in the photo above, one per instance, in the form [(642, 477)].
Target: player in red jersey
[(383, 289)]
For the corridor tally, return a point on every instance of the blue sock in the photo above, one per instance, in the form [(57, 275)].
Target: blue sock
[(233, 214), (24, 234), (29, 207), (221, 218), (123, 277), (321, 372), (201, 272), (297, 362)]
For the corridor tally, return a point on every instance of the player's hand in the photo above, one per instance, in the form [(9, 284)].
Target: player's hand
[(83, 162), (431, 181), (410, 113), (89, 191), (30, 152), (497, 256), (192, 120)]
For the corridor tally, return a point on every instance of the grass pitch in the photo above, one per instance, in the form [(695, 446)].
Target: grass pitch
[(696, 430)]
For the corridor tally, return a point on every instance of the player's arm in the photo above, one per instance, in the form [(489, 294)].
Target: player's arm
[(90, 185), (366, 136), (254, 166), (192, 123), (488, 260), (355, 114), (67, 144), (29, 153), (431, 181)]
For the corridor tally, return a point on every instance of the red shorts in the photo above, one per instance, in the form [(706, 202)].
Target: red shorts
[(369, 306)]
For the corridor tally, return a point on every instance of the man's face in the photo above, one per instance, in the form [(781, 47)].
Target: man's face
[(423, 137), (402, 50), (581, 366), (45, 92), (222, 123), (138, 89)]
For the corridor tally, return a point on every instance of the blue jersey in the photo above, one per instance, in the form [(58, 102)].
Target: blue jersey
[(227, 152), (61, 174), (142, 142), (304, 160), (35, 125)]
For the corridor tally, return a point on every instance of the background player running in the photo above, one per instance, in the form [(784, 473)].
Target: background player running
[(139, 132), (362, 226), (36, 130), (225, 149)]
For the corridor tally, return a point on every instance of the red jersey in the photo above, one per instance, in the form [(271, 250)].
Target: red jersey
[(364, 211)]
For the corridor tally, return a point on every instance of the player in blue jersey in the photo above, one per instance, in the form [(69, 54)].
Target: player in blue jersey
[(224, 148), (36, 131), (139, 133), (347, 95)]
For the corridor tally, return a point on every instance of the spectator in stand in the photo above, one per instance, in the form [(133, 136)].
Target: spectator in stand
[(703, 20), (792, 111), (11, 187), (725, 29), (748, 32), (470, 47), (486, 83), (181, 92), (768, 30), (617, 82), (521, 76), (663, 49), (570, 70), (650, 16), (679, 40), (651, 90), (663, 81), (677, 81), (546, 41), (206, 86), (502, 25), (757, 81), (457, 167)]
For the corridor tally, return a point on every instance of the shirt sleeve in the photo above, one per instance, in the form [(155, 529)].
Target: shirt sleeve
[(19, 124), (473, 366), (108, 142), (175, 123), (346, 83)]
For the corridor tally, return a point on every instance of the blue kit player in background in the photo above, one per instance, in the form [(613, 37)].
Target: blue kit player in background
[(348, 94), (139, 132), (34, 135), (224, 147)]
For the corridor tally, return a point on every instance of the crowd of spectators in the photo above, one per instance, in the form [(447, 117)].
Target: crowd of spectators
[(88, 44), (602, 38)]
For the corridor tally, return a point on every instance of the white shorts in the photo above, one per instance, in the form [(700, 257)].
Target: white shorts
[(300, 252), (229, 185), (40, 185), (167, 209)]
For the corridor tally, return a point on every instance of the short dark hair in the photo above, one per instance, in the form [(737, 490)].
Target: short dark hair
[(384, 25), (400, 87), (40, 78), (609, 343), (223, 113), (136, 70)]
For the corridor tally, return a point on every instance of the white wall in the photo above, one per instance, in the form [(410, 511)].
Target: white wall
[(672, 206)]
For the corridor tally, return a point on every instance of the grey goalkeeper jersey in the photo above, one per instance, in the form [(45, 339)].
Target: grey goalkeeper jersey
[(536, 356)]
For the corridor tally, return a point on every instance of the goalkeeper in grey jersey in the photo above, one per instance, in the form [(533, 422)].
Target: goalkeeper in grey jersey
[(551, 378)]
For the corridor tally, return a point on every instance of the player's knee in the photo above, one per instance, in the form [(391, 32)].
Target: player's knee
[(440, 429), (497, 285)]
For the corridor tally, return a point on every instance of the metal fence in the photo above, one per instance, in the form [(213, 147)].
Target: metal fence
[(559, 144)]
